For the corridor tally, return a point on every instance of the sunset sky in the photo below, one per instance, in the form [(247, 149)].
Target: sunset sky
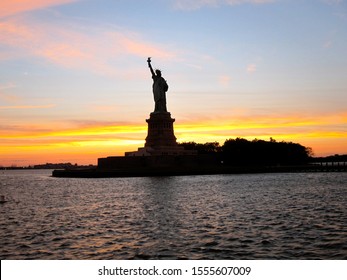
[(75, 86)]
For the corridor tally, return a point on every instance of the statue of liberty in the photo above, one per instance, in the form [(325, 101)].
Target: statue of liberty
[(160, 88)]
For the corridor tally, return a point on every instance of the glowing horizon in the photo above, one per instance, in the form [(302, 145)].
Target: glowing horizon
[(86, 143)]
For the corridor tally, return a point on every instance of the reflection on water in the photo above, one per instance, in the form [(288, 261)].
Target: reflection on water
[(263, 216)]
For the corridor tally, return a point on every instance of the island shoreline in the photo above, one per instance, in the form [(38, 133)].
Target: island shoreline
[(219, 170)]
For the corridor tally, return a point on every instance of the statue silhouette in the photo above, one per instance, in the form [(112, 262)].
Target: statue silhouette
[(160, 88)]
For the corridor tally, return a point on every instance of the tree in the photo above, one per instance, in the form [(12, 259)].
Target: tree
[(207, 148)]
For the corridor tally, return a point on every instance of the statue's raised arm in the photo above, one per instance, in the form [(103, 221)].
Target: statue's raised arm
[(150, 66)]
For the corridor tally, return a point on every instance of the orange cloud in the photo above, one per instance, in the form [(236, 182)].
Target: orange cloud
[(11, 7), (71, 130)]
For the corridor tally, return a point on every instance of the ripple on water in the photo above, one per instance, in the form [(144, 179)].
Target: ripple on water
[(263, 216)]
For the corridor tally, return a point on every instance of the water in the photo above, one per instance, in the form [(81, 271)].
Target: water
[(260, 216)]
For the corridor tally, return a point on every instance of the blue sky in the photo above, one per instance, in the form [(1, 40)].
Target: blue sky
[(235, 68)]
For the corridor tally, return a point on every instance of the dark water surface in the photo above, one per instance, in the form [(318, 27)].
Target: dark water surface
[(261, 216)]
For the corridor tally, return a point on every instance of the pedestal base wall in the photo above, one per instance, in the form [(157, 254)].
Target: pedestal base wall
[(167, 161)]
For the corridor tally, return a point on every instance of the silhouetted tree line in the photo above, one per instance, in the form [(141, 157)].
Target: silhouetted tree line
[(240, 151)]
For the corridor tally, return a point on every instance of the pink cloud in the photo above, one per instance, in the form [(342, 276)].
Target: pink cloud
[(13, 33), (251, 68), (8, 96), (7, 86), (67, 55), (224, 80), (140, 48), (11, 7), (68, 47)]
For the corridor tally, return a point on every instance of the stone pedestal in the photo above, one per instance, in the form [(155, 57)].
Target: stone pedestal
[(160, 140), (160, 130)]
